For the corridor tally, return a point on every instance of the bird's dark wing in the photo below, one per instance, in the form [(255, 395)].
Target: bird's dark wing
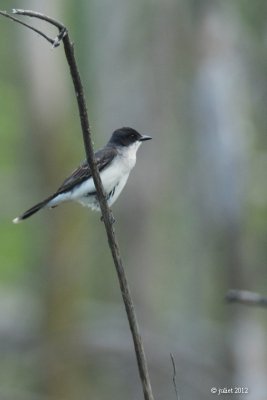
[(103, 158)]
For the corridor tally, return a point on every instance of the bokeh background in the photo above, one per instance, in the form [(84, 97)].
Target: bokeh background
[(192, 221)]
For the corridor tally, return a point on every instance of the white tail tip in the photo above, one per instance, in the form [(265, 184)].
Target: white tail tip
[(16, 220)]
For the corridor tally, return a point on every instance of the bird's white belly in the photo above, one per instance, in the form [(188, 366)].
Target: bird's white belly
[(114, 178), (118, 190)]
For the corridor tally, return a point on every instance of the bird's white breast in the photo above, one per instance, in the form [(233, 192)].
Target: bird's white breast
[(120, 168)]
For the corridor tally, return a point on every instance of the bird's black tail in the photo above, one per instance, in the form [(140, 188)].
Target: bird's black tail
[(33, 210)]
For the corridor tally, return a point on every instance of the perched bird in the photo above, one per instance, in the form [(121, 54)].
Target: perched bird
[(115, 162)]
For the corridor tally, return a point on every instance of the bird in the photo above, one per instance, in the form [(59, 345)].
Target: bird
[(114, 161)]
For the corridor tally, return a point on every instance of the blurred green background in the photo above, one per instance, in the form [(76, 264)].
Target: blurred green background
[(191, 222)]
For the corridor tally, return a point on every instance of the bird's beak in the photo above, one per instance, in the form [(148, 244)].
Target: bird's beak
[(145, 137)]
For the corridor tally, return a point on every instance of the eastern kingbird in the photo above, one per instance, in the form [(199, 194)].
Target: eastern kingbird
[(115, 162)]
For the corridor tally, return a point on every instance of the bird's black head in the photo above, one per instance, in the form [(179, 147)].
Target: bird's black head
[(127, 136)]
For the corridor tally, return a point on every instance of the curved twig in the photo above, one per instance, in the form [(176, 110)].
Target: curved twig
[(35, 14), (52, 41)]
